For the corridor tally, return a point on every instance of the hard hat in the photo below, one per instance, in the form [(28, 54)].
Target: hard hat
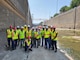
[(53, 27), (22, 27), (25, 25), (43, 27), (32, 27), (14, 28), (18, 27), (28, 25), (10, 26), (46, 26)]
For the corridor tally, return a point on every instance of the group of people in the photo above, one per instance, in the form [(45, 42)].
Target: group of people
[(28, 37)]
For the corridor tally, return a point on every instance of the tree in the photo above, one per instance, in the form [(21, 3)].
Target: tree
[(64, 9), (56, 14), (75, 3)]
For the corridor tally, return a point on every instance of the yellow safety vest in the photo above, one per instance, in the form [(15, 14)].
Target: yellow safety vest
[(25, 29), (9, 33), (14, 35), (18, 31), (47, 34), (22, 34), (37, 35), (42, 32), (28, 33), (49, 29), (53, 34), (28, 42)]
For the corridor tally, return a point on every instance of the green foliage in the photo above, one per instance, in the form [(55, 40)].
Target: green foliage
[(75, 3), (64, 9), (56, 14)]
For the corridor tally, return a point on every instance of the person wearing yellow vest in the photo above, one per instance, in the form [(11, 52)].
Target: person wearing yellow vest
[(54, 39), (25, 28), (37, 36), (28, 44), (32, 37), (28, 32), (42, 35), (14, 38), (18, 30), (9, 35), (47, 38), (22, 36)]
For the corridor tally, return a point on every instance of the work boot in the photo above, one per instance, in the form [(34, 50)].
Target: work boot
[(30, 49), (55, 51)]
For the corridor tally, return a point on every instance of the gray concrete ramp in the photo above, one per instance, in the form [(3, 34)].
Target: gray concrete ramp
[(37, 54), (43, 54)]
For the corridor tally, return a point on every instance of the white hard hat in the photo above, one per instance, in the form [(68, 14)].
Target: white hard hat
[(22, 27), (51, 26), (18, 27), (32, 27), (43, 26), (28, 25), (46, 26), (25, 25)]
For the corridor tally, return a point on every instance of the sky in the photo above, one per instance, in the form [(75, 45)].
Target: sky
[(44, 9)]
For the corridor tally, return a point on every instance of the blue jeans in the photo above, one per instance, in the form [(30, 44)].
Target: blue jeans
[(9, 41), (42, 40), (22, 42), (14, 44), (48, 42), (26, 47)]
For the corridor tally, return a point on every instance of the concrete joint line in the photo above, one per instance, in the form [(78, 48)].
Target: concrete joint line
[(12, 8)]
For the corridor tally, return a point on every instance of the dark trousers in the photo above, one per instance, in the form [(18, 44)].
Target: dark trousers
[(14, 44), (37, 43), (54, 45), (18, 41), (9, 41), (48, 42), (26, 47), (42, 40), (34, 42), (21, 42)]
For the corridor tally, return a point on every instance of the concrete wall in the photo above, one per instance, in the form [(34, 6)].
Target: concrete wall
[(8, 17), (69, 19)]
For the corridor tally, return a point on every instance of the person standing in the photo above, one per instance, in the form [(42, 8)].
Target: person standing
[(32, 37), (18, 31), (22, 36), (28, 32), (54, 39), (37, 36), (9, 36), (47, 38), (14, 38), (42, 35)]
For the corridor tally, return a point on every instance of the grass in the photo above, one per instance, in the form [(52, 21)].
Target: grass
[(70, 45)]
